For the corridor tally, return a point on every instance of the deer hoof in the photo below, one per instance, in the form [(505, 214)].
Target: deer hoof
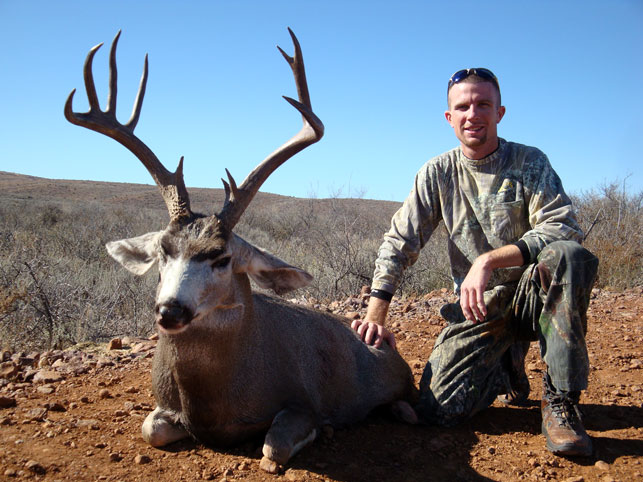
[(270, 465)]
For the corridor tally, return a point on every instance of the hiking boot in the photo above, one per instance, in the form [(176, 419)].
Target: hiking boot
[(513, 362), (562, 425)]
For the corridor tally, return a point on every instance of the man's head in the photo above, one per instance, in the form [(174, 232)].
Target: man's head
[(474, 111)]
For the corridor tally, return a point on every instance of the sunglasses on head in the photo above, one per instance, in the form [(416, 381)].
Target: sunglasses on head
[(481, 72)]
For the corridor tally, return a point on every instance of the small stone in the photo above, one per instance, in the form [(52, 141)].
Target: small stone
[(47, 376), (37, 414), (115, 344), (115, 457), (104, 393), (269, 466), (7, 402), (141, 459), (46, 390), (55, 407), (352, 315), (8, 370), (602, 465), (291, 475), (10, 473), (35, 467)]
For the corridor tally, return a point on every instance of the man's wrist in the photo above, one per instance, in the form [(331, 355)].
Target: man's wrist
[(382, 295)]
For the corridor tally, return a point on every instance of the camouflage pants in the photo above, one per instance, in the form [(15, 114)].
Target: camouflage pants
[(465, 372)]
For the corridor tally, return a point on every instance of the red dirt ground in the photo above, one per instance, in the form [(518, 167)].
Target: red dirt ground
[(86, 425)]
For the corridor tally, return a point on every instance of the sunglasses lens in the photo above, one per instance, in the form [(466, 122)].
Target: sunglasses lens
[(459, 76), (483, 73)]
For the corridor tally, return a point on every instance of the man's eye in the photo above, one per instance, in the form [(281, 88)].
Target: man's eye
[(221, 262)]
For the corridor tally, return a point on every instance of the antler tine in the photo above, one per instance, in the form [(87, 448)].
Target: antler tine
[(311, 131), (171, 185)]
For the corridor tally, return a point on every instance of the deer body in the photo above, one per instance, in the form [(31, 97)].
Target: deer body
[(231, 364), (281, 357)]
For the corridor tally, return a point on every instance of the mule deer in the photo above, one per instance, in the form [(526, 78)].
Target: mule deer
[(231, 363)]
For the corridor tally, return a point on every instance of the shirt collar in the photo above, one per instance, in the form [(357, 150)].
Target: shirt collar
[(495, 155)]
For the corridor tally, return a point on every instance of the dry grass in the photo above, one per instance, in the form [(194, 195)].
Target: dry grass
[(59, 287)]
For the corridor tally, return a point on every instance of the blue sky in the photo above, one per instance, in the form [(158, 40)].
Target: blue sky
[(570, 73)]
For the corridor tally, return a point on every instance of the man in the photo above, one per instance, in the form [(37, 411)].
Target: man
[(517, 267)]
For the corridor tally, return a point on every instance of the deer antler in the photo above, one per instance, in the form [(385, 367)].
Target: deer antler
[(238, 198), (171, 184)]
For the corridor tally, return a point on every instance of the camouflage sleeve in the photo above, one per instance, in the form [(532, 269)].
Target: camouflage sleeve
[(411, 227), (551, 215)]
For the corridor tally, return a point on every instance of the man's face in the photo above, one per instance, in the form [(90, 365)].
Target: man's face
[(474, 114)]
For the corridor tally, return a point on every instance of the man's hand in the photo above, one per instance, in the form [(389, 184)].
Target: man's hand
[(371, 329), (472, 290), (373, 333), (473, 286)]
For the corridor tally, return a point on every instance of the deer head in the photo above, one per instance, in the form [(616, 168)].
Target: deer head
[(202, 263)]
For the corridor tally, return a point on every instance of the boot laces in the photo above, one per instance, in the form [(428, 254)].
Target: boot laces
[(565, 410)]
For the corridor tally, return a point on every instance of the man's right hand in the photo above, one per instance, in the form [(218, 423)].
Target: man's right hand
[(373, 333)]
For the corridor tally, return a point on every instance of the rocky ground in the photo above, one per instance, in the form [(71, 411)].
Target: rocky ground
[(76, 415)]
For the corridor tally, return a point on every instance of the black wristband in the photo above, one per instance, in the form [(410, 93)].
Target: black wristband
[(382, 295), (524, 250)]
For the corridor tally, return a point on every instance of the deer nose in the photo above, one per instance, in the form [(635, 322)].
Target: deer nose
[(172, 315)]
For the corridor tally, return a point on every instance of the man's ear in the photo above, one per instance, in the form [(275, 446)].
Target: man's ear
[(447, 116), (138, 254), (501, 113), (265, 269)]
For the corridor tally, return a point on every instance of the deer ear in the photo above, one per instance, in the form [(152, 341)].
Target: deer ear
[(265, 269), (138, 254)]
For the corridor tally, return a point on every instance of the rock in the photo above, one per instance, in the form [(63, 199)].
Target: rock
[(601, 465), (142, 347), (36, 414), (104, 393), (352, 315), (8, 370), (91, 423), (115, 344), (115, 457), (46, 389), (35, 467), (141, 459), (269, 466), (47, 376), (55, 407), (7, 402), (58, 363)]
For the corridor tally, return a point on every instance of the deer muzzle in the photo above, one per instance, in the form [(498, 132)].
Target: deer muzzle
[(173, 317)]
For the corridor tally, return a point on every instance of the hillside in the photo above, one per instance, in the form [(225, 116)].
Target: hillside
[(20, 187)]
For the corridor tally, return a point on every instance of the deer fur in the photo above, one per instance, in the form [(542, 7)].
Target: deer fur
[(243, 363)]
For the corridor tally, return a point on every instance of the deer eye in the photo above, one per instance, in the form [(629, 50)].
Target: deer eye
[(221, 262)]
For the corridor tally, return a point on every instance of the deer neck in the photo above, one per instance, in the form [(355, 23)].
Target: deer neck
[(217, 343)]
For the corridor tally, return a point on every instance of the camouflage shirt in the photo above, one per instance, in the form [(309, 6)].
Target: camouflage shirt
[(485, 204)]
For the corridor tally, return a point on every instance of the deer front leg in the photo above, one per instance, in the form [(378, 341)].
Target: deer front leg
[(291, 430), (161, 427)]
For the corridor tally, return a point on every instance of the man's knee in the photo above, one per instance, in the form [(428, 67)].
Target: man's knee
[(569, 261)]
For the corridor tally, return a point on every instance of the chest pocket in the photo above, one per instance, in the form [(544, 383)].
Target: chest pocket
[(508, 221)]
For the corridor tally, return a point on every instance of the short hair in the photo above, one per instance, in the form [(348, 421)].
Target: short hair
[(476, 79)]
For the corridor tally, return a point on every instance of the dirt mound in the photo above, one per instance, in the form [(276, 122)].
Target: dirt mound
[(76, 415)]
